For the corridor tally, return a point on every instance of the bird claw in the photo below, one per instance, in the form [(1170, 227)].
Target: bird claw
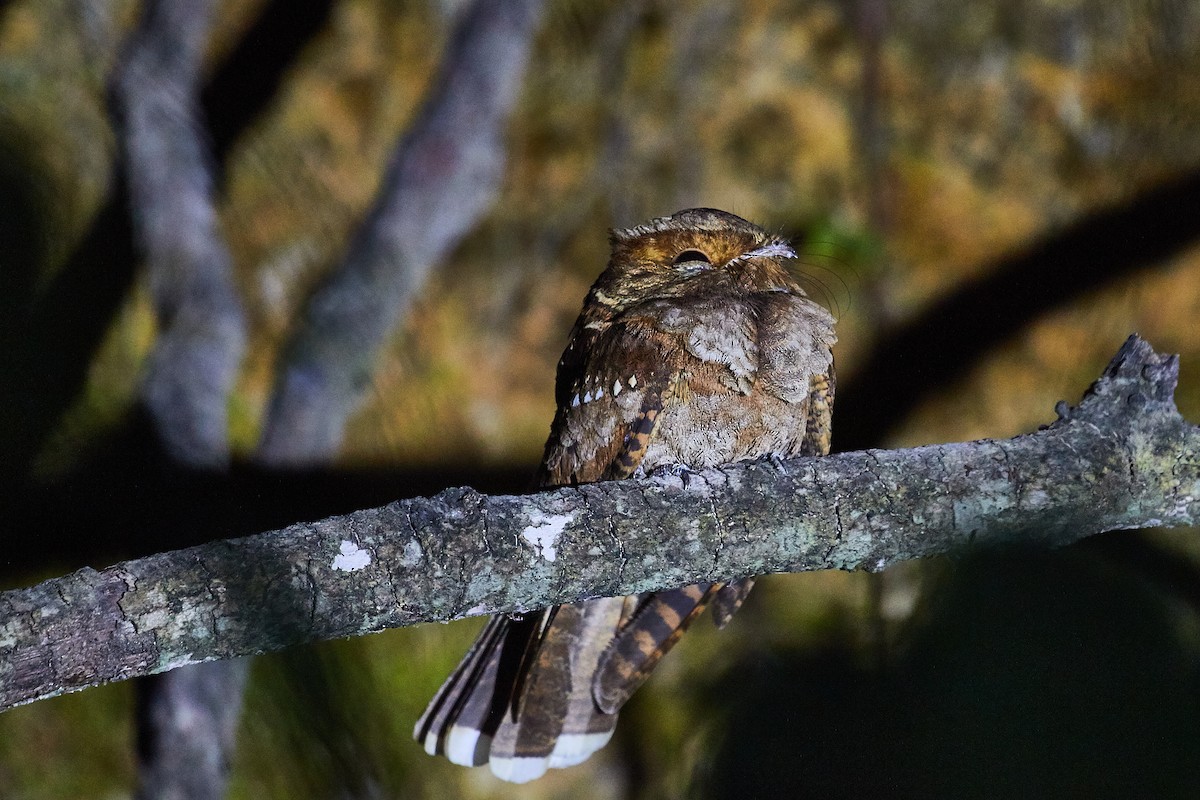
[(681, 471)]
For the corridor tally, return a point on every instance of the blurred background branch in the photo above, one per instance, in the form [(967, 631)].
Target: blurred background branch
[(201, 332), (445, 174)]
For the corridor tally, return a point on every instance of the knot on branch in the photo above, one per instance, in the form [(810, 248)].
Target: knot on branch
[(1137, 380)]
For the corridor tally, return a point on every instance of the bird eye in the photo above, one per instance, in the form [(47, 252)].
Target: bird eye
[(691, 255)]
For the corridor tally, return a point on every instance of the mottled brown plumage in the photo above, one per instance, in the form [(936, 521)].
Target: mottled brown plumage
[(697, 347)]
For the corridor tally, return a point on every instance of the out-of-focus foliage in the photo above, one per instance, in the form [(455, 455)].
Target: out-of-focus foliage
[(998, 123)]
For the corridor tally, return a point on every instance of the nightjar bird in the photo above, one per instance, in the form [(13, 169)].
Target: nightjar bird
[(695, 347)]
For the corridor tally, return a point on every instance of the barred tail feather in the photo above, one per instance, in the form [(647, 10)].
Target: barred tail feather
[(729, 599), (463, 716), (558, 724), (521, 700), (644, 640)]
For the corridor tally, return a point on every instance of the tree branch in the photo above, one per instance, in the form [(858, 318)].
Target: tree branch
[(187, 720), (168, 169), (1123, 458), (445, 173)]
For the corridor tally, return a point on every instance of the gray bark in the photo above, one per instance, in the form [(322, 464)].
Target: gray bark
[(1123, 458), (187, 729), (445, 174), (166, 161), (187, 718)]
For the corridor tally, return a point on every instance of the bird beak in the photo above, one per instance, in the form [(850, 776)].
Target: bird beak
[(772, 250)]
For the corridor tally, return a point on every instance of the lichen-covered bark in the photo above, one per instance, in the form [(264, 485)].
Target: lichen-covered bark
[(1123, 458)]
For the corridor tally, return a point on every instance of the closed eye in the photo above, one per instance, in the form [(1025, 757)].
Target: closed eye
[(691, 255)]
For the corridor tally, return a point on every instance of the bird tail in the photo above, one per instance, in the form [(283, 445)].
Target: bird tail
[(521, 699)]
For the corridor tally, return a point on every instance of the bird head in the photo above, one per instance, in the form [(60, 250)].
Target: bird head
[(688, 253)]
